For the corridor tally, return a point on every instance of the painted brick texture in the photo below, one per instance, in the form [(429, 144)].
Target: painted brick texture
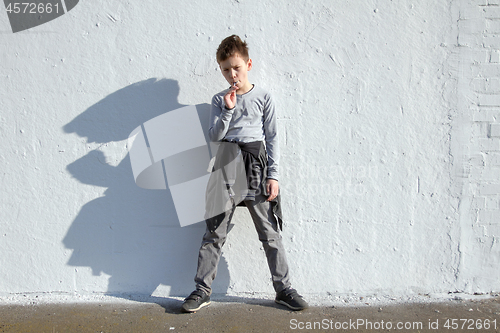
[(479, 25), (388, 116)]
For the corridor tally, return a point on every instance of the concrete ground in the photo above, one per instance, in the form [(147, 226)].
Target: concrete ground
[(251, 315)]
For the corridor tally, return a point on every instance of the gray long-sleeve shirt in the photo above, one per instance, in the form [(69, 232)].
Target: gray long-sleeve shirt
[(252, 119)]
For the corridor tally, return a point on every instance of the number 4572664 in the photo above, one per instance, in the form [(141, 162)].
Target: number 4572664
[(32, 8)]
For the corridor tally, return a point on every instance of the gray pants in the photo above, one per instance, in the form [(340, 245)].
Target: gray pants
[(267, 229)]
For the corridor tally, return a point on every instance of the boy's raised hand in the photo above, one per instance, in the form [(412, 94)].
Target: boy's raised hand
[(230, 98)]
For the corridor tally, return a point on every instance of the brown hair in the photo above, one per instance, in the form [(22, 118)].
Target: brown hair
[(231, 45)]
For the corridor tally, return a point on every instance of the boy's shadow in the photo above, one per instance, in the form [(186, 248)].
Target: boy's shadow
[(131, 234)]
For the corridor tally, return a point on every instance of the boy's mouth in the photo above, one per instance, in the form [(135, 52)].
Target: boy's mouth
[(235, 83)]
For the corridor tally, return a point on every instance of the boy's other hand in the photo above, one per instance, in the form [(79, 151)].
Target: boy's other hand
[(272, 189), (230, 98)]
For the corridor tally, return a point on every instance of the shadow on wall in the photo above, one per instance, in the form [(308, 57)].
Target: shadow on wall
[(132, 234)]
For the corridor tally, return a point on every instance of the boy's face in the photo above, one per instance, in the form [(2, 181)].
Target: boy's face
[(235, 70)]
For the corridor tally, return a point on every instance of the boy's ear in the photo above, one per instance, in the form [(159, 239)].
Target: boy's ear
[(249, 64)]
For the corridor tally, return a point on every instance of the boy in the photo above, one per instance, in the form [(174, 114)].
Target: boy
[(244, 115)]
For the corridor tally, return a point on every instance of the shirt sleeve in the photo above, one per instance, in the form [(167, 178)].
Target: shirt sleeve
[(219, 119), (271, 137)]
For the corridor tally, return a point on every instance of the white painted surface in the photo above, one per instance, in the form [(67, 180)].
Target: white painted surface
[(389, 141)]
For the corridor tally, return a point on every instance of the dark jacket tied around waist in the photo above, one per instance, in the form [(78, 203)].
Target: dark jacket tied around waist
[(238, 175)]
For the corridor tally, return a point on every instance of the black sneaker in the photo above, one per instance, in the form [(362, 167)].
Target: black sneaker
[(289, 297), (195, 301)]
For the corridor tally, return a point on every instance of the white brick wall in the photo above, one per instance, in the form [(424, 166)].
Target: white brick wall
[(479, 84), (389, 126)]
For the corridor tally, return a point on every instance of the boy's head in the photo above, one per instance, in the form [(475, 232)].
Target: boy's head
[(232, 56), (230, 46)]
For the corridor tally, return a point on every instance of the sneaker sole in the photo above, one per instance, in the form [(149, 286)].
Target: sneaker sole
[(198, 308), (289, 306)]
